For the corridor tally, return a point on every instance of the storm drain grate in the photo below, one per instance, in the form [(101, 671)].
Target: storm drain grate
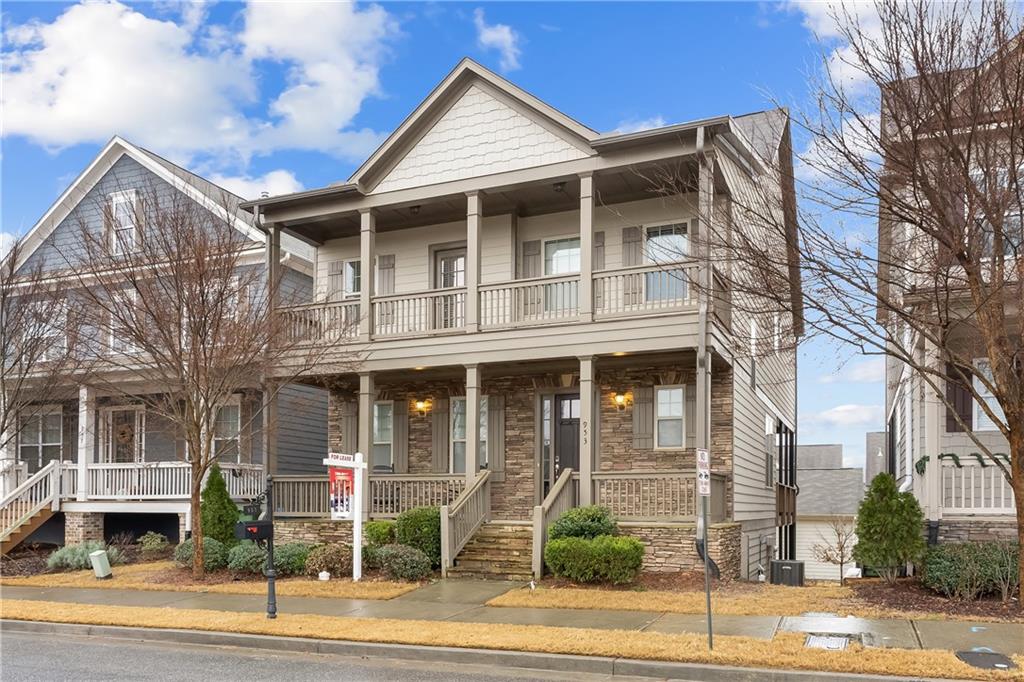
[(829, 642)]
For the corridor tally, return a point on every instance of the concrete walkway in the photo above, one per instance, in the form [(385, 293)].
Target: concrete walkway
[(463, 601)]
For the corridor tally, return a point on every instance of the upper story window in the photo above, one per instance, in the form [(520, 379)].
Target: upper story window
[(1012, 234), (120, 334), (982, 422), (123, 228), (668, 416), (344, 278), (666, 243), (39, 437), (227, 428), (457, 463), (44, 330), (562, 256)]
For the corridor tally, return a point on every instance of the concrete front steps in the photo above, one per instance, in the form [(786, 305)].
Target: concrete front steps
[(498, 551)]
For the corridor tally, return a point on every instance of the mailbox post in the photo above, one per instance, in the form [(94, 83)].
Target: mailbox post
[(261, 530)]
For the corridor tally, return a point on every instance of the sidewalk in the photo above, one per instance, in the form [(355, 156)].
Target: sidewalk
[(464, 601)]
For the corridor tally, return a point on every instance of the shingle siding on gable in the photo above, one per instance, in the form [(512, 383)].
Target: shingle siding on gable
[(479, 135)]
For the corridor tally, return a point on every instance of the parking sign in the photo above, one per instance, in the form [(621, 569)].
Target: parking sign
[(703, 473)]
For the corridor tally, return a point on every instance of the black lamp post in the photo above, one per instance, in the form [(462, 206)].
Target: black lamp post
[(261, 530), (271, 573)]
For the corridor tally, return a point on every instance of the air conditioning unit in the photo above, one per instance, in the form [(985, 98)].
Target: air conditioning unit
[(787, 573)]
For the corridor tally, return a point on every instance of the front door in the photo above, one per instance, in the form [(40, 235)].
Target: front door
[(449, 273), (123, 435)]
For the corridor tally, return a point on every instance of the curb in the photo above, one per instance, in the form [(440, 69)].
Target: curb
[(602, 665)]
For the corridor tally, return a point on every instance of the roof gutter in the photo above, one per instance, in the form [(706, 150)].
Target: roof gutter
[(320, 193), (654, 134)]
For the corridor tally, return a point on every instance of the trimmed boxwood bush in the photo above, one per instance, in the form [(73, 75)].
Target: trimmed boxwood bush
[(403, 562), (379, 533), (153, 542), (76, 557), (421, 528), (583, 522), (247, 557), (336, 559), (970, 570), (290, 559), (606, 558), (215, 554)]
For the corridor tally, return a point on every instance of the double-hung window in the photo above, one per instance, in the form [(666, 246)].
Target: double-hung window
[(561, 257), (227, 429), (666, 244), (123, 232), (119, 333), (45, 326), (39, 437), (382, 455), (457, 456), (982, 422), (344, 279), (669, 428)]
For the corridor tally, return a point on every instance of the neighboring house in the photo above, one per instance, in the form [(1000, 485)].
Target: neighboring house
[(540, 329), (119, 467), (830, 496), (876, 455)]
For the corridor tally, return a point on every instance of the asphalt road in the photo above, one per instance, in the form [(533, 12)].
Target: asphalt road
[(28, 657)]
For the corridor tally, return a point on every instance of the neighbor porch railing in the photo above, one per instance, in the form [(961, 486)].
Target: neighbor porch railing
[(560, 499), (657, 495), (321, 322), (461, 520), (974, 489), (532, 301), (645, 289), (165, 480), (440, 310)]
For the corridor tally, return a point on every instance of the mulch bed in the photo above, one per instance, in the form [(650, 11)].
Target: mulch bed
[(909, 595), (25, 561)]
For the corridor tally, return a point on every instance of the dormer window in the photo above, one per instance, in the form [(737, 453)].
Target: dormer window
[(123, 232)]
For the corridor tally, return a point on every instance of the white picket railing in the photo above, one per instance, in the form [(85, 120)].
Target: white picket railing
[(648, 288), (529, 301), (41, 490), (440, 310), (321, 322), (560, 499), (460, 520), (139, 481), (974, 489), (68, 480), (245, 481)]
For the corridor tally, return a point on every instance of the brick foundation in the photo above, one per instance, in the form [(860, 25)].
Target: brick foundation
[(82, 526), (977, 529), (669, 547)]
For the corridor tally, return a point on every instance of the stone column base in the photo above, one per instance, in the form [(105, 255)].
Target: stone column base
[(80, 527)]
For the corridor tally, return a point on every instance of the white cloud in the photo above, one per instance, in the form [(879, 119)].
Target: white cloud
[(248, 187), (845, 416), (865, 372), (188, 88), (636, 125), (500, 37)]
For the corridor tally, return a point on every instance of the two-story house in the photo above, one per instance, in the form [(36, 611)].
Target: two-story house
[(539, 327), (93, 459)]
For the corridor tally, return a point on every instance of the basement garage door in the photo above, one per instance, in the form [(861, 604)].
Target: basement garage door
[(808, 534)]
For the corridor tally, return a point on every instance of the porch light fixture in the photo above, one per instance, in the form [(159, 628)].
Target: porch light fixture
[(620, 399), (558, 187), (415, 210), (422, 406)]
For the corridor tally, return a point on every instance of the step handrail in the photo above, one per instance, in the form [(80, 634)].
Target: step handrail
[(42, 489), (461, 519), (559, 499)]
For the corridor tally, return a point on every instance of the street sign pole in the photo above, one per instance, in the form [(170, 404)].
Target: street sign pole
[(704, 491)]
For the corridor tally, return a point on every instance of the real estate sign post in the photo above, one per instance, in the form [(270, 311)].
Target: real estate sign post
[(704, 491), (345, 499)]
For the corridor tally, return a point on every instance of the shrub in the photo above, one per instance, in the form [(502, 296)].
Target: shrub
[(153, 542), (583, 522), (421, 528), (215, 554), (219, 513), (606, 558), (403, 562), (888, 529), (379, 533), (76, 557), (247, 557), (335, 559), (371, 557), (290, 559), (970, 570)]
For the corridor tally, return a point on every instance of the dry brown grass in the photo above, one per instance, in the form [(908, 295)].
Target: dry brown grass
[(786, 651), (741, 599), (145, 577)]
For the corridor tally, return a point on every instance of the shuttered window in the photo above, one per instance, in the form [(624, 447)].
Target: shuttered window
[(382, 457), (982, 422), (458, 434), (959, 402), (668, 417)]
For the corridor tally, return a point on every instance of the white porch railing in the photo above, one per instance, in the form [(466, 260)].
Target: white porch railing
[(560, 499), (245, 481), (321, 322), (411, 314), (390, 495), (165, 480), (12, 474), (68, 480), (648, 288), (41, 490), (529, 301), (460, 520), (656, 495), (974, 489)]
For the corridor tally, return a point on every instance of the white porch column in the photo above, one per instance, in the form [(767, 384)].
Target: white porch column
[(933, 413), (368, 275), (86, 437), (473, 210), (586, 295), (472, 423), (367, 396), (587, 421)]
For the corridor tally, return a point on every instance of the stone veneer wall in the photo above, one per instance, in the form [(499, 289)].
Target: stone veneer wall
[(977, 529), (312, 531), (670, 546), (82, 526)]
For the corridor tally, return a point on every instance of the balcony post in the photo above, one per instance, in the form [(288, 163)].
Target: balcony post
[(586, 295), (473, 211), (367, 397), (273, 248), (367, 274), (587, 421), (472, 423), (86, 438)]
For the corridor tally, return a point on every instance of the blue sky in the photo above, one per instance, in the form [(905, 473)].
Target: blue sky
[(283, 96)]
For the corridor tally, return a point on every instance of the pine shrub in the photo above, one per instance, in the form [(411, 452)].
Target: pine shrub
[(402, 562), (584, 522), (421, 528), (889, 529), (219, 512)]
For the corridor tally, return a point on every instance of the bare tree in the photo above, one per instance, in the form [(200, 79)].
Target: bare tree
[(837, 544), (178, 314), (34, 348)]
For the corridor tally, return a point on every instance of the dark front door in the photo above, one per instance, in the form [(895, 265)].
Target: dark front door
[(567, 434)]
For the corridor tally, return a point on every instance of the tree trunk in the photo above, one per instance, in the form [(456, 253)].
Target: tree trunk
[(198, 570), (1017, 470)]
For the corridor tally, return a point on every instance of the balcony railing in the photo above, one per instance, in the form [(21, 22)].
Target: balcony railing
[(321, 322), (440, 310), (530, 301), (645, 289)]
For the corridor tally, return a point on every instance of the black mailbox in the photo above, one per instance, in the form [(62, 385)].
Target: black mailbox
[(254, 530)]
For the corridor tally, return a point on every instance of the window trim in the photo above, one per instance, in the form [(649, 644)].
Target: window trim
[(58, 328), (234, 400), (41, 411), (681, 418), (127, 347), (978, 414), (106, 431), (451, 431), (373, 434), (644, 227), (129, 197), (556, 238)]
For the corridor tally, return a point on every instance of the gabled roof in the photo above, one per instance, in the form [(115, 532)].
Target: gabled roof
[(466, 74), (200, 190)]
